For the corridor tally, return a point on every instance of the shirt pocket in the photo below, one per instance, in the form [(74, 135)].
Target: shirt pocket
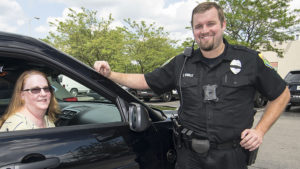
[(235, 81), (189, 82), (190, 91)]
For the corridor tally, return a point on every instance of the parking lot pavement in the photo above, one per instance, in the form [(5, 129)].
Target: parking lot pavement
[(281, 145), (174, 103)]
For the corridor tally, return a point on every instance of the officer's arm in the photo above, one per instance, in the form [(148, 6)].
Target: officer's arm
[(273, 111), (252, 138), (135, 81)]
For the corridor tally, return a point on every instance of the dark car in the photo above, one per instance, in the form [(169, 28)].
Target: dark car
[(259, 100), (105, 129), (148, 94), (293, 81)]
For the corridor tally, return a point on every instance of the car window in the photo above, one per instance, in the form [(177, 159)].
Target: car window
[(293, 77), (67, 87), (88, 106), (61, 93), (79, 104), (6, 89)]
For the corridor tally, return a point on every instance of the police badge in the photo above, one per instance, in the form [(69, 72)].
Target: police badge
[(235, 66)]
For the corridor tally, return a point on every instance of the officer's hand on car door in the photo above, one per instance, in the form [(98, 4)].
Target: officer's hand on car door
[(103, 68), (251, 139)]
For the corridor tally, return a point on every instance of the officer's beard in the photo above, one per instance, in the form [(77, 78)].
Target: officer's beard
[(208, 45), (214, 44)]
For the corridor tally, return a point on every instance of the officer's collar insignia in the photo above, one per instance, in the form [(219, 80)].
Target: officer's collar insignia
[(235, 66)]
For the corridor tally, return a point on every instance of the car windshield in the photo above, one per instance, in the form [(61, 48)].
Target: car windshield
[(293, 77)]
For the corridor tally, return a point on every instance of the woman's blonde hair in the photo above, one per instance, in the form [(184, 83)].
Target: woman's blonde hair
[(16, 102)]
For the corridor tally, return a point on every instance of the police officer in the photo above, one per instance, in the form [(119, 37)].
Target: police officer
[(217, 83)]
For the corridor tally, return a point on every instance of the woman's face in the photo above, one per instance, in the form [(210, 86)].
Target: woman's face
[(36, 94)]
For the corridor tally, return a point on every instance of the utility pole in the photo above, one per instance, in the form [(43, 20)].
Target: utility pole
[(29, 24)]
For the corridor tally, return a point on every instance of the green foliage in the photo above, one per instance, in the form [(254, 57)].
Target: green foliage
[(147, 45), (88, 39), (257, 23)]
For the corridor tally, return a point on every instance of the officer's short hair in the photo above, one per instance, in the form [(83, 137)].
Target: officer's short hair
[(202, 7)]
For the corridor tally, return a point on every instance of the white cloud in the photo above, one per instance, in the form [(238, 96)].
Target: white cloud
[(42, 29), (295, 4), (173, 17), (20, 22), (11, 16), (55, 20), (7, 28)]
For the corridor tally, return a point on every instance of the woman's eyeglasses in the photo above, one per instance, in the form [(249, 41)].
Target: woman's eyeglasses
[(38, 90)]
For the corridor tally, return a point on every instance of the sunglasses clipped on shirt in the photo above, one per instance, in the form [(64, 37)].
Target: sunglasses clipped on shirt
[(38, 90)]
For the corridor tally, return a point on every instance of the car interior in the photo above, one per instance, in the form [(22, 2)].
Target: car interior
[(85, 108)]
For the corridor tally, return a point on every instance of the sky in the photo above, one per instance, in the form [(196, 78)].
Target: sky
[(32, 17)]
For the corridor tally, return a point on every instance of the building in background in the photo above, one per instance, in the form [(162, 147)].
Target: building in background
[(290, 60)]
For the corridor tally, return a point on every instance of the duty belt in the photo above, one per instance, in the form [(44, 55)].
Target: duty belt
[(188, 135), (185, 137), (225, 145), (213, 145)]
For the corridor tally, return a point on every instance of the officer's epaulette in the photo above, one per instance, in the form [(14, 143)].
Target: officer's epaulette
[(244, 48)]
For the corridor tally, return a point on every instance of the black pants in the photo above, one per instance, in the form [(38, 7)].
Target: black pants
[(231, 158)]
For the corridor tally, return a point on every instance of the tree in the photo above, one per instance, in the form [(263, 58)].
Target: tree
[(147, 45), (258, 23), (137, 48), (88, 39)]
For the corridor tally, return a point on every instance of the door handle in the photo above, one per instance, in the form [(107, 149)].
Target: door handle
[(104, 138), (47, 163)]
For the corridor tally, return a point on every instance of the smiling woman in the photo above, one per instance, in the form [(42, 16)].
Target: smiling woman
[(31, 101)]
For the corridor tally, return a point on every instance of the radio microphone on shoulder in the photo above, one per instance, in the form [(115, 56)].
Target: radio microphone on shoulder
[(188, 51)]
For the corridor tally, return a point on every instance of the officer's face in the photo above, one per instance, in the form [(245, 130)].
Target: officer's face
[(208, 30)]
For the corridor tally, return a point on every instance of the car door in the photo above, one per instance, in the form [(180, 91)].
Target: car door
[(92, 132), (104, 128), (89, 134), (88, 146)]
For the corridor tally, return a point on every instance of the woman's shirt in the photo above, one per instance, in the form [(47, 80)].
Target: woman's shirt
[(19, 122)]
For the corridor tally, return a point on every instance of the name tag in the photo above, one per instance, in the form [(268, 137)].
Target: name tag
[(188, 75)]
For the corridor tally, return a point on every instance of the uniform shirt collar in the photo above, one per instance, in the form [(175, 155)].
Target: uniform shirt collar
[(197, 56)]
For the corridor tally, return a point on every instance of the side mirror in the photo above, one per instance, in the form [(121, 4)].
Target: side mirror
[(139, 119)]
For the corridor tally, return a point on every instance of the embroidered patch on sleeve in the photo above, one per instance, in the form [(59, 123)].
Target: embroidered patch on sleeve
[(266, 62)]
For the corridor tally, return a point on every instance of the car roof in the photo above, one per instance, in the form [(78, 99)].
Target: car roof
[(295, 71)]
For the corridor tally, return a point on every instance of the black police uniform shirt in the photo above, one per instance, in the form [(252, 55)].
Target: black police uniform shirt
[(234, 77)]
